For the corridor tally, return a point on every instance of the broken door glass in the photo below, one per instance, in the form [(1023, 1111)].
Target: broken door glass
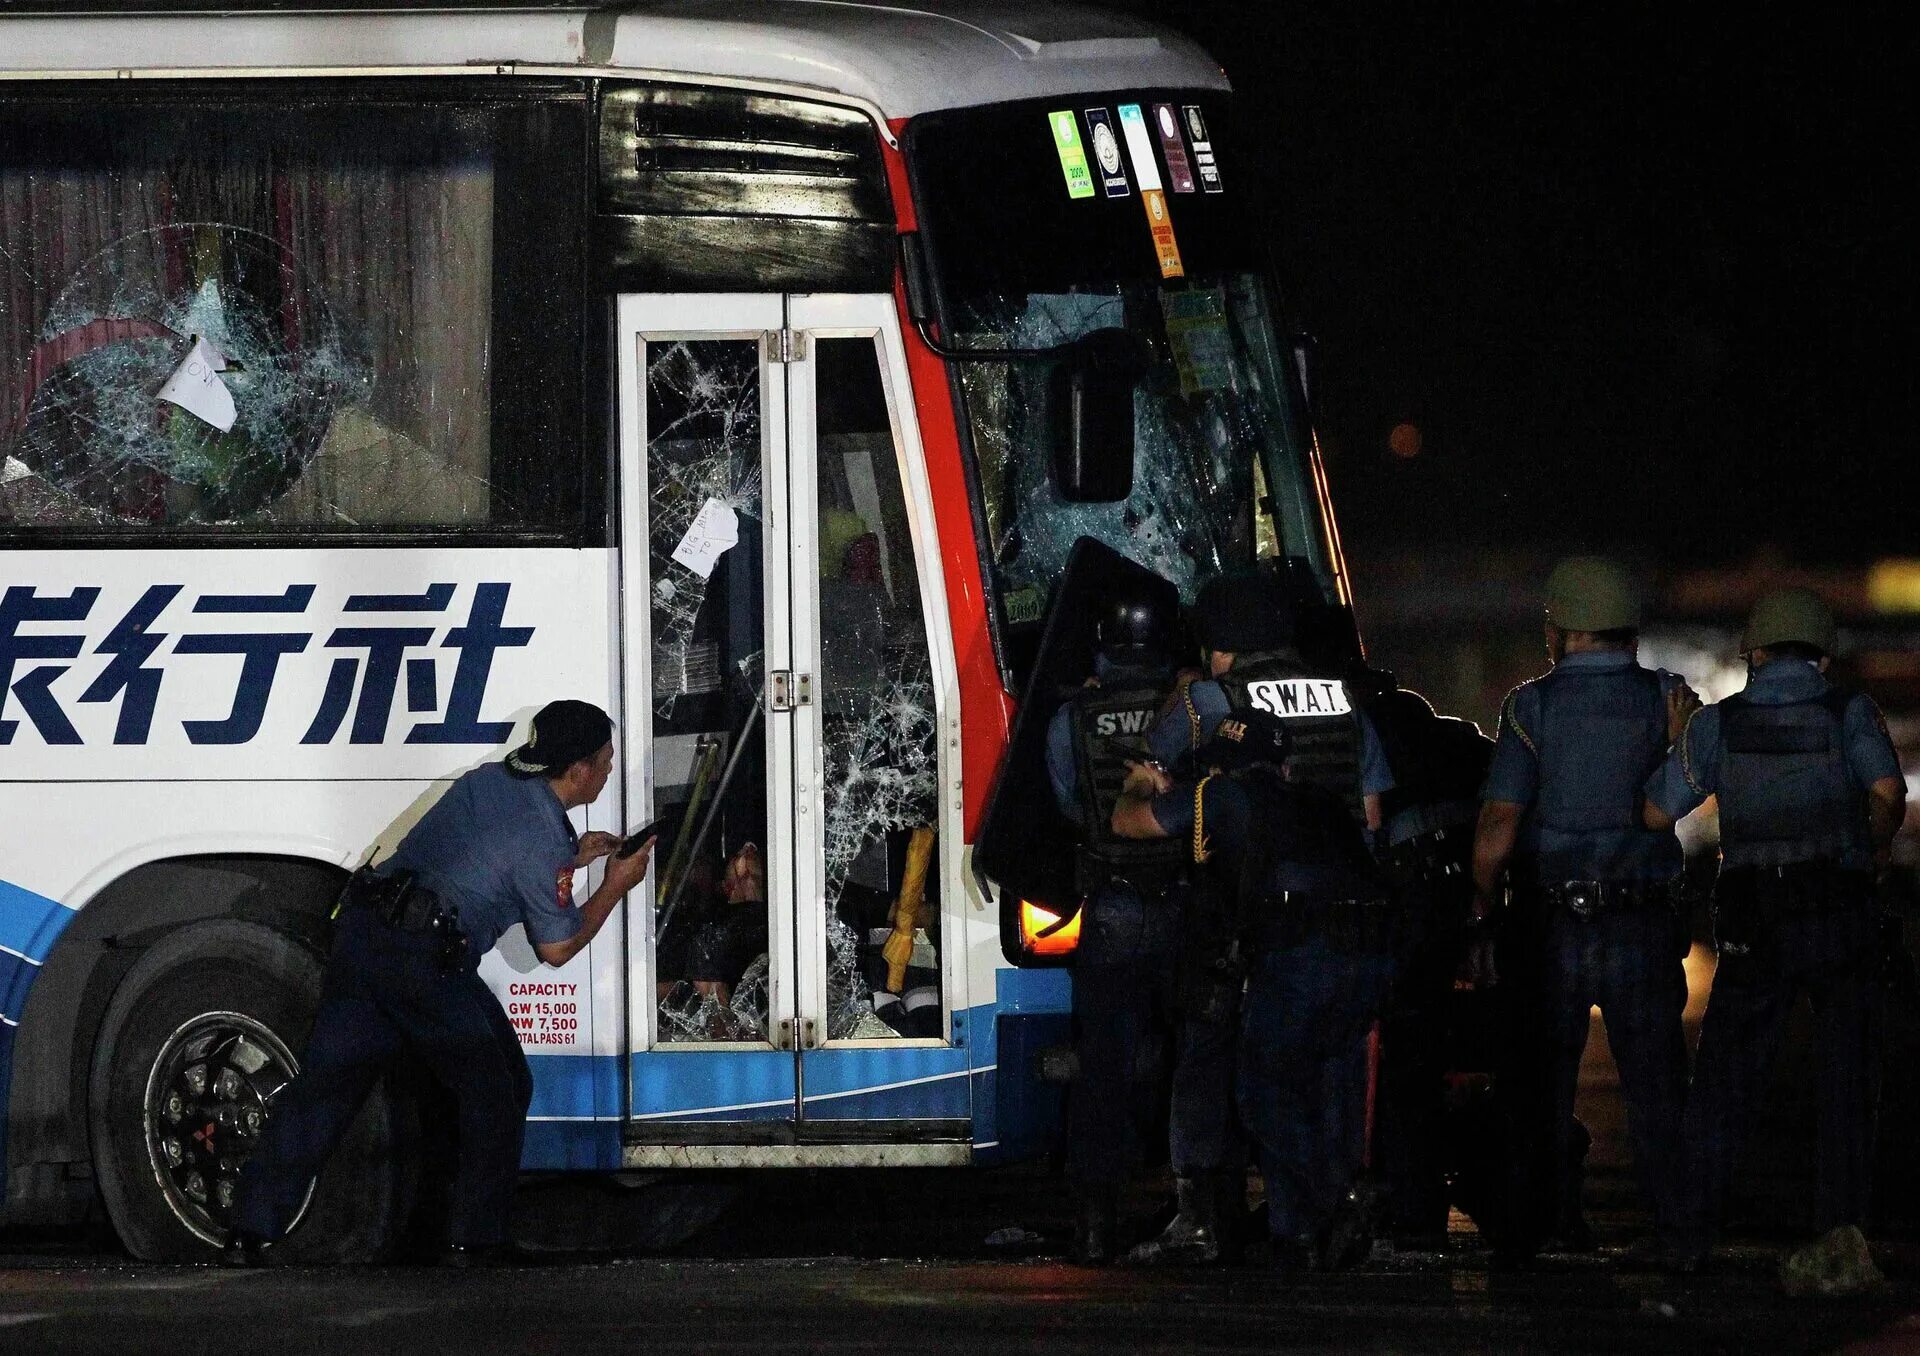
[(882, 899), (706, 612)]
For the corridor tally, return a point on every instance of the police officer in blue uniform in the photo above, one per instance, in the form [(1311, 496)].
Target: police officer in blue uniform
[(496, 850), (1245, 627), (1439, 764), (1315, 933), (1810, 796), (1245, 624), (1596, 917), (1123, 968)]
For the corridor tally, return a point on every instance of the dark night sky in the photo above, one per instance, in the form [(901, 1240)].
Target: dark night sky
[(1642, 278)]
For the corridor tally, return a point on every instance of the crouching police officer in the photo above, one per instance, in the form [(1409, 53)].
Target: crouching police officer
[(1123, 968), (1810, 797), (1317, 933), (494, 851), (1597, 918)]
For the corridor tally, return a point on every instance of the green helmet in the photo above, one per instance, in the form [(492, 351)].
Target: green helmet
[(1591, 593), (1789, 614)]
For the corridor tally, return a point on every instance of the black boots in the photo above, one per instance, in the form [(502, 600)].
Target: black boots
[(244, 1250), (1193, 1238)]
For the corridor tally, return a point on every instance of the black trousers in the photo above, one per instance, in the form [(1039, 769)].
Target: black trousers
[(385, 995), (1627, 962), (1409, 1129), (1832, 956)]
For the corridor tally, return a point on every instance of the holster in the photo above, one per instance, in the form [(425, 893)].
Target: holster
[(1210, 971), (399, 900)]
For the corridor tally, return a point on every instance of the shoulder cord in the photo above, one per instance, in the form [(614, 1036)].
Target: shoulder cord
[(1201, 852), (1686, 755), (1193, 717), (1511, 711)]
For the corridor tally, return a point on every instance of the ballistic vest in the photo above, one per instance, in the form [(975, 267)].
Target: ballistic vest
[(1307, 845), (1785, 793), (1110, 726), (1319, 714), (1602, 734)]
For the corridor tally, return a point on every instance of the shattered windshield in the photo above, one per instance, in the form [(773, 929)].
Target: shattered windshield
[(234, 311), (1214, 438), (1049, 219)]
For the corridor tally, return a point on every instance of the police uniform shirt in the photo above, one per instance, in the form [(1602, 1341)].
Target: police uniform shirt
[(1692, 771), (499, 849), (1181, 730), (1061, 772), (1630, 853)]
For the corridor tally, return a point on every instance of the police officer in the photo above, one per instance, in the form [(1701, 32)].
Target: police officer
[(1597, 919), (494, 851), (1439, 764), (1123, 968), (1316, 933), (1245, 623), (1246, 630), (1810, 797)]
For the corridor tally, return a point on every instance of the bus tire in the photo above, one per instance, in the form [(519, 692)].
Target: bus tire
[(201, 1031)]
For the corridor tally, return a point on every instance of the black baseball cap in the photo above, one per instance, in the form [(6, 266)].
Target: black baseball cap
[(564, 732), (1240, 613), (1247, 738)]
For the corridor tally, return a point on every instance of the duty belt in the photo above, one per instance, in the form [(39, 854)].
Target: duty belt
[(1591, 898), (1428, 857), (400, 901), (1289, 919), (1800, 887)]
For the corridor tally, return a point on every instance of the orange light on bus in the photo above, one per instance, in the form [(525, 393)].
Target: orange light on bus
[(1042, 933)]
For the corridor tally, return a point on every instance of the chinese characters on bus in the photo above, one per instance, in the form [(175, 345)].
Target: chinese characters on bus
[(386, 641)]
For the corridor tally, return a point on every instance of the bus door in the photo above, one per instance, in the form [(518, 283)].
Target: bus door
[(788, 709)]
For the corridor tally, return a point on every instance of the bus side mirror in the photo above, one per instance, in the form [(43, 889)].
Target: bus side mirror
[(1091, 398)]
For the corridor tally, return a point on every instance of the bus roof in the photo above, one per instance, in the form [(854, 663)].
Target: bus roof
[(901, 60)]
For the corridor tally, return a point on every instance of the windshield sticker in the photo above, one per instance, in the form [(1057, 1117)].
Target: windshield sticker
[(1152, 195), (1106, 152), (1179, 169), (1198, 336), (1203, 150), (1073, 156)]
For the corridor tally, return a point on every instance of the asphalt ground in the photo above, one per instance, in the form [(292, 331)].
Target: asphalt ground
[(902, 1262), (907, 1262)]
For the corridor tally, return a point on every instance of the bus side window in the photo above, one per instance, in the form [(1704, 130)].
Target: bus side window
[(306, 315), (878, 727)]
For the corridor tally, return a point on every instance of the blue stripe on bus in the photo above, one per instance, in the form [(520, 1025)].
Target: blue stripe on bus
[(29, 923)]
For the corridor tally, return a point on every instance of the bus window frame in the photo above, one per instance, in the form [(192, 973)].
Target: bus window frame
[(576, 502)]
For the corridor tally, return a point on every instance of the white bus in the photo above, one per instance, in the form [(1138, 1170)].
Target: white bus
[(757, 370)]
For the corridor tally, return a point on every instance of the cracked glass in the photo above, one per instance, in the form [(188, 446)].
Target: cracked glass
[(265, 316), (705, 419), (881, 907)]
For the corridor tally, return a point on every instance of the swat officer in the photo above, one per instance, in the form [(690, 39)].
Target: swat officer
[(1315, 931), (1245, 623), (1439, 764), (494, 851), (1123, 968), (1245, 626), (1810, 797), (1596, 918)]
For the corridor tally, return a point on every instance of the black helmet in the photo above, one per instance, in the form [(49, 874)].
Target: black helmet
[(1246, 739), (1240, 613), (1133, 628)]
